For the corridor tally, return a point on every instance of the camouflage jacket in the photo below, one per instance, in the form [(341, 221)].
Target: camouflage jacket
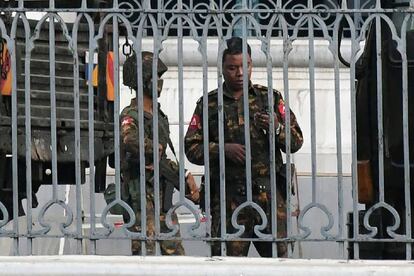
[(130, 148), (234, 132)]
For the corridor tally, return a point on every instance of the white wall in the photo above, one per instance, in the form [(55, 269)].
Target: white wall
[(299, 94), (326, 186)]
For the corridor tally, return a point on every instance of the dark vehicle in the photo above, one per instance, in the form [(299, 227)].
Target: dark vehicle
[(40, 106), (369, 172)]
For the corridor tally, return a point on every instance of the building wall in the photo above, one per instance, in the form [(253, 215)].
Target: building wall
[(327, 182), (299, 94)]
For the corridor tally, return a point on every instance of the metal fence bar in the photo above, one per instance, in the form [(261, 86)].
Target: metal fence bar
[(77, 130), (28, 142), (287, 48), (140, 106), (272, 146), (405, 111), (312, 104), (91, 148), (217, 19), (222, 179), (380, 107), (180, 55), (156, 142), (354, 169), (206, 151), (341, 221), (53, 127), (14, 158)]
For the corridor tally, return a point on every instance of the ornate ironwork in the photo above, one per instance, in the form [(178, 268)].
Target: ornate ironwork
[(158, 21)]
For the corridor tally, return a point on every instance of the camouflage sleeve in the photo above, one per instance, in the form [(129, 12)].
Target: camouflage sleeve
[(130, 138), (174, 165), (194, 138), (296, 138), (171, 170)]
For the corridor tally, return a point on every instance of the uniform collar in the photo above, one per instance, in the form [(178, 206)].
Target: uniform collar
[(228, 94), (134, 103)]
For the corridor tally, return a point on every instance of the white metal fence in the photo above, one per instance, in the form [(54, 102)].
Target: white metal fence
[(55, 120)]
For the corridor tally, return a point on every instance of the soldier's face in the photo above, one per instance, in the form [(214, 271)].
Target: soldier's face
[(233, 71), (160, 83)]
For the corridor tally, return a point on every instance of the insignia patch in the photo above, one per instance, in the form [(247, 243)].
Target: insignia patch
[(195, 121), (127, 121), (281, 108)]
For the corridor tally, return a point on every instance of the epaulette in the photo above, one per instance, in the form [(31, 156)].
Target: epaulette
[(264, 89), (260, 87), (211, 93), (127, 111)]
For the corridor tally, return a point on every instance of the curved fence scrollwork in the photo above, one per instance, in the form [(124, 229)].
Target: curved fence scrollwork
[(59, 119)]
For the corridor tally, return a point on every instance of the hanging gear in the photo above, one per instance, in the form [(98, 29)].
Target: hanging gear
[(127, 50)]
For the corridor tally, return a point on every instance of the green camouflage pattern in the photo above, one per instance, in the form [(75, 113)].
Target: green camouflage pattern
[(235, 173), (168, 247), (130, 175), (249, 217)]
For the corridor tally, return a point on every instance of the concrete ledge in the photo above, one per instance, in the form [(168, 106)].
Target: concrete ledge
[(165, 266)]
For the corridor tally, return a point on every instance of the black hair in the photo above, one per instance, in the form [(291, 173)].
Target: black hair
[(235, 47)]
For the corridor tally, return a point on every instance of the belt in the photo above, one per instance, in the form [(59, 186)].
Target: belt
[(239, 187), (259, 188)]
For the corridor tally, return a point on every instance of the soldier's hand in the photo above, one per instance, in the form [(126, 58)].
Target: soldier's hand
[(262, 119), (194, 195), (235, 152)]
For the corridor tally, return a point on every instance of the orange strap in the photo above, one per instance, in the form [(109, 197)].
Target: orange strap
[(110, 95), (6, 72)]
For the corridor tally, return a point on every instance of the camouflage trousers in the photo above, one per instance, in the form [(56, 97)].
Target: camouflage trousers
[(168, 247), (249, 217)]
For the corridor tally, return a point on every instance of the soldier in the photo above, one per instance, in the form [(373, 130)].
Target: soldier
[(130, 158), (234, 147)]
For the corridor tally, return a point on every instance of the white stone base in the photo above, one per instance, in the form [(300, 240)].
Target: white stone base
[(171, 266)]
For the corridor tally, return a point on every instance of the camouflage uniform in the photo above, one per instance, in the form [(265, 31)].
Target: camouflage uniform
[(130, 162), (235, 173), (130, 175)]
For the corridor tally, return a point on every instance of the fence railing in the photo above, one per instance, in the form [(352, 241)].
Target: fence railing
[(61, 123)]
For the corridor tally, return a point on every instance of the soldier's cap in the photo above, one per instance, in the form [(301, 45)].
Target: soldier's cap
[(130, 69)]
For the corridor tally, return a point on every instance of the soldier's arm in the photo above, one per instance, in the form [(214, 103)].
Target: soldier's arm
[(296, 138), (194, 138), (171, 170), (130, 137)]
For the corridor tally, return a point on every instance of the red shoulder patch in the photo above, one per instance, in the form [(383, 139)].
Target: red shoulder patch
[(195, 122), (281, 108), (127, 121)]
